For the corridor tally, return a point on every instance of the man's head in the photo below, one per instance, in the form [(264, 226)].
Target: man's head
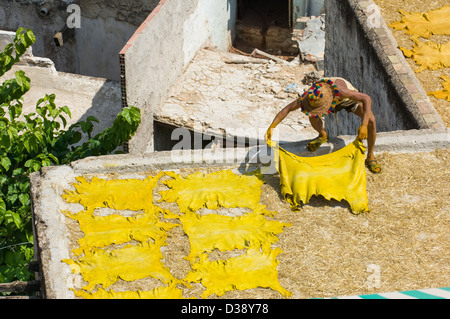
[(320, 99)]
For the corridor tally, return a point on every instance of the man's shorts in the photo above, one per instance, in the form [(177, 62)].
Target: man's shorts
[(349, 108)]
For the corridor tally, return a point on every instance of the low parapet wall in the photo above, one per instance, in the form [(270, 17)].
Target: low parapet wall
[(360, 47), (162, 47)]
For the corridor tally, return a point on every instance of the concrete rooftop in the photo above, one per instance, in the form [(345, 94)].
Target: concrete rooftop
[(85, 96), (234, 95)]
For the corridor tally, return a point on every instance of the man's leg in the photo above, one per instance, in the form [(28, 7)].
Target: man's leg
[(317, 124)]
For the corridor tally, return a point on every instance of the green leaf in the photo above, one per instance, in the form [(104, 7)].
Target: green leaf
[(10, 258), (20, 79), (92, 119), (3, 179), (36, 167), (6, 141), (24, 199), (46, 162), (63, 119), (5, 162), (16, 218), (75, 138), (126, 115), (7, 59), (9, 49), (2, 206), (29, 163), (18, 171), (26, 143), (39, 102), (2, 212), (66, 110), (28, 252), (33, 165), (20, 49), (53, 158), (30, 37), (11, 199), (19, 31)]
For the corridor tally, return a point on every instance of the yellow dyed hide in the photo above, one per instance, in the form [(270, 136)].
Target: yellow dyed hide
[(340, 175), (214, 190), (445, 92), (131, 194), (425, 24), (105, 267), (170, 292), (429, 55), (102, 231), (227, 233), (250, 270)]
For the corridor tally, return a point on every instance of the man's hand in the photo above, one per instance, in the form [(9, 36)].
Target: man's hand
[(362, 132), (269, 134)]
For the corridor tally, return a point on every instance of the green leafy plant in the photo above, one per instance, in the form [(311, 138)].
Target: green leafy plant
[(29, 142)]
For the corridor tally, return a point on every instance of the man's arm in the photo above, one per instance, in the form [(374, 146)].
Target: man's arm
[(281, 116), (367, 107)]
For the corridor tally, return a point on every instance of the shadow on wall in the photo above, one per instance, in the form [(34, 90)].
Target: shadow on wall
[(97, 46), (355, 58), (106, 104)]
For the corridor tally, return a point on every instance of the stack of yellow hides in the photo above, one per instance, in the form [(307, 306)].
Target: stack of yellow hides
[(101, 264)]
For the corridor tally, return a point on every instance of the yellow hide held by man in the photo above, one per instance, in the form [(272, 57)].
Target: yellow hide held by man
[(340, 175)]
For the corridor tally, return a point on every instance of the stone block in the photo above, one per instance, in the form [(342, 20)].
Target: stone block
[(424, 107)]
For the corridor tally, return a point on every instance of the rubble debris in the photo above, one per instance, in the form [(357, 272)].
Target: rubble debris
[(267, 55), (311, 77), (312, 43), (222, 98), (245, 62)]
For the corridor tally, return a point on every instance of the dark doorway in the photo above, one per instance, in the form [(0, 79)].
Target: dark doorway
[(264, 12), (264, 25)]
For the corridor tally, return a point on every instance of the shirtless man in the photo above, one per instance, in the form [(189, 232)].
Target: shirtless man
[(332, 95)]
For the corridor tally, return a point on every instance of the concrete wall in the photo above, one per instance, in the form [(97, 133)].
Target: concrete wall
[(105, 28), (98, 43), (369, 58), (170, 36), (16, 14)]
